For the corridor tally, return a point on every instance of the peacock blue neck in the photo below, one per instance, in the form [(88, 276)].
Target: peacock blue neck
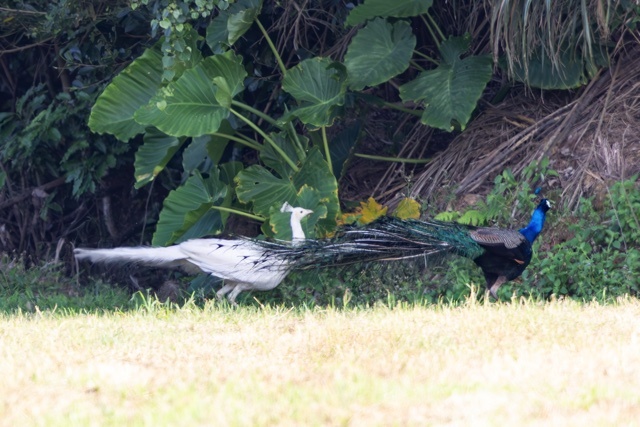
[(534, 228)]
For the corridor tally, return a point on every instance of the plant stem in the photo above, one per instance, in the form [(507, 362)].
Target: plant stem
[(272, 46), (435, 25), (237, 212), (372, 99), (250, 140), (415, 64), (266, 138), (427, 57), (403, 109), (433, 35), (258, 113), (327, 152), (242, 141), (392, 159), (294, 135)]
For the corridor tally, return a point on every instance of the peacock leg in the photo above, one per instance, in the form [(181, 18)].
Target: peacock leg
[(493, 290), (225, 290), (236, 291)]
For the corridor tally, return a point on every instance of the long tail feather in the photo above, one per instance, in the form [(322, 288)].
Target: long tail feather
[(388, 239), (168, 257)]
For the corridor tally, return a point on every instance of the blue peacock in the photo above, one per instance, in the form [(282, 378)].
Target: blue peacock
[(502, 254)]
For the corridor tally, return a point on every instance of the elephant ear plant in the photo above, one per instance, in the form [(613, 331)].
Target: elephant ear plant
[(198, 114), (214, 96)]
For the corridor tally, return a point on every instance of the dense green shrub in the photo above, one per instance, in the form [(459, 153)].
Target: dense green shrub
[(602, 258), (599, 260), (56, 58)]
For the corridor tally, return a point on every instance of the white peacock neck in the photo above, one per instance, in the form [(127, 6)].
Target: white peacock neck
[(297, 233)]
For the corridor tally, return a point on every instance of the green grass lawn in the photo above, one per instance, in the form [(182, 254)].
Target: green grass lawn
[(529, 363)]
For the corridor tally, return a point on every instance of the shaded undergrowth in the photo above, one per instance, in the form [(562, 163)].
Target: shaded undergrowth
[(590, 254)]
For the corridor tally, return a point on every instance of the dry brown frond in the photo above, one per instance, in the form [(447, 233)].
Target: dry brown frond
[(589, 134), (521, 29)]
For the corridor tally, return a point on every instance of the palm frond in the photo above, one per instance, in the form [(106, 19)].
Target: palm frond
[(570, 29)]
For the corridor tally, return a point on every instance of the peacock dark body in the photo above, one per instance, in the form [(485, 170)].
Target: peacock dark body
[(502, 254)]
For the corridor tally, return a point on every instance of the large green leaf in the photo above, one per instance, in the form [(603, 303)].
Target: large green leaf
[(187, 210), (230, 78), (204, 221), (218, 34), (342, 146), (378, 52), (226, 28), (195, 153), (385, 8), (114, 110), (278, 225), (198, 101), (272, 159), (229, 171), (259, 186), (316, 174), (154, 154), (451, 91), (218, 143), (131, 89), (319, 87), (540, 71), (241, 17)]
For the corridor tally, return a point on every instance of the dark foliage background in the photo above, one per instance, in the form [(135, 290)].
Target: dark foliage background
[(61, 184), (58, 179)]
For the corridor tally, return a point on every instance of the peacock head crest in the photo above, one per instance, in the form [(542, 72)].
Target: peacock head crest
[(544, 205), (297, 213)]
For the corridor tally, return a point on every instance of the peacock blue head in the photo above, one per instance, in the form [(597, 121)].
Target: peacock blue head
[(534, 228)]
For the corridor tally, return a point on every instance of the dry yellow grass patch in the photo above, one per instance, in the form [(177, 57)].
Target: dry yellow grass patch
[(555, 364)]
